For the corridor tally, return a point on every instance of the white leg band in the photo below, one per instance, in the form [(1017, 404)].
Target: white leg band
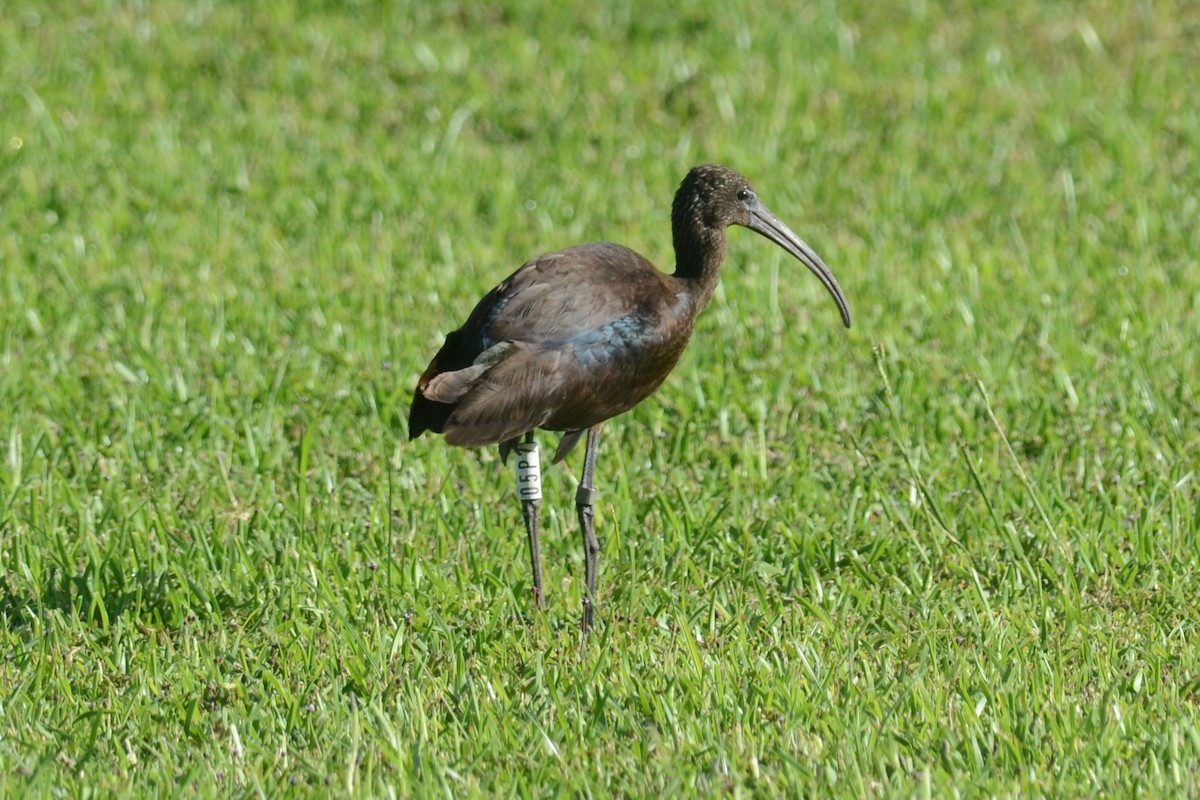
[(529, 472)]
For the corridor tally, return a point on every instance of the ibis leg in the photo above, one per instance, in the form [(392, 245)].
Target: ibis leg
[(529, 489), (584, 499)]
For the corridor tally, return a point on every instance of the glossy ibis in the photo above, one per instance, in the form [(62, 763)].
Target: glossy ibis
[(575, 337)]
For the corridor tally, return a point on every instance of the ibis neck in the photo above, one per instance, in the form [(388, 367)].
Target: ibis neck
[(699, 252)]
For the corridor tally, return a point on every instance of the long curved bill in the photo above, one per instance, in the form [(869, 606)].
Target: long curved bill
[(765, 223)]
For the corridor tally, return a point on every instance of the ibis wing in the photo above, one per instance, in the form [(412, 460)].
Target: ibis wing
[(511, 398), (557, 388), (567, 293)]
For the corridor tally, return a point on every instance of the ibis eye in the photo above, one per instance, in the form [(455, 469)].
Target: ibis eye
[(744, 194)]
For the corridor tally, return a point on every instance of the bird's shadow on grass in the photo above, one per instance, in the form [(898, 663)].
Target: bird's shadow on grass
[(96, 596)]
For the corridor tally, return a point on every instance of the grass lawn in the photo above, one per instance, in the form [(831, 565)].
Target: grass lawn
[(952, 551)]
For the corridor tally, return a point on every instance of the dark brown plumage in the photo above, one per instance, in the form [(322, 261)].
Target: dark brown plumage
[(580, 335)]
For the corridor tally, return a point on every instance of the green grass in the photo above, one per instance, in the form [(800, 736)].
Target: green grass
[(953, 551)]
